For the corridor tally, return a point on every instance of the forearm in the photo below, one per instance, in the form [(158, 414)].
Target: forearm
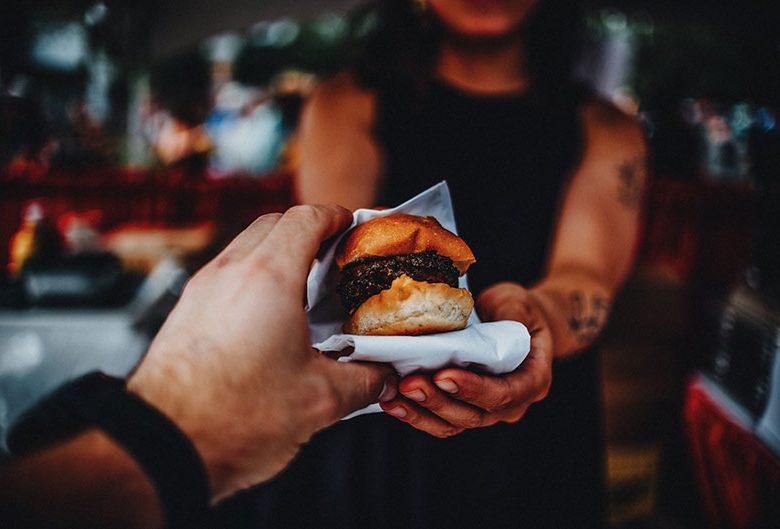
[(576, 305), (340, 162), (88, 481)]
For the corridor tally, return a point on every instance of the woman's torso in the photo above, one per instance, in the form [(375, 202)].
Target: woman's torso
[(506, 160)]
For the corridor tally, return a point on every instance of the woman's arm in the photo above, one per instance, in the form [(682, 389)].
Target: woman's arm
[(592, 253), (594, 245), (340, 162)]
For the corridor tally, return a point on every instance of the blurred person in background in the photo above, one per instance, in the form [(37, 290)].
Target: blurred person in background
[(547, 184)]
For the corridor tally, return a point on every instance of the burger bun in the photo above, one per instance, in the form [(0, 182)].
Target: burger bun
[(400, 233), (412, 307)]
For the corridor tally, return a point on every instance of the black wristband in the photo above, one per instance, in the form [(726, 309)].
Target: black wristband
[(155, 443)]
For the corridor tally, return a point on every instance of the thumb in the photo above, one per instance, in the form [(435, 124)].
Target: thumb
[(356, 384)]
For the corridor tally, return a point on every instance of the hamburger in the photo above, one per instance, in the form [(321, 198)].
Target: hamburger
[(399, 275)]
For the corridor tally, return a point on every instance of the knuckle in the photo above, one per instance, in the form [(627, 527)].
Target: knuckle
[(451, 432), (269, 217), (485, 298), (490, 420), (196, 282), (434, 403), (471, 387), (503, 397), (545, 390), (513, 415), (330, 406), (370, 383), (444, 433), (471, 419), (322, 398), (314, 397), (503, 401), (221, 261), (266, 267), (304, 213), (544, 383), (413, 418)]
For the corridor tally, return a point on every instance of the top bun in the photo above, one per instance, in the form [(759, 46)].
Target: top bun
[(400, 233)]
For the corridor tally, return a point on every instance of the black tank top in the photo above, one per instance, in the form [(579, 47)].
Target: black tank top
[(506, 159)]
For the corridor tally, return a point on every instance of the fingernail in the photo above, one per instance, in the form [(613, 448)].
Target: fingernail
[(389, 391), (447, 385), (398, 411), (417, 395)]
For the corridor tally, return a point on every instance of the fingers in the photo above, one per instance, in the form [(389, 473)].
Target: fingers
[(248, 240), (356, 384), (503, 301), (495, 393), (406, 411), (421, 390), (455, 399), (487, 393), (295, 238)]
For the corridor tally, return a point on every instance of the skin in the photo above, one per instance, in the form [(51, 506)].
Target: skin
[(482, 20), (596, 232), (481, 37), (232, 366)]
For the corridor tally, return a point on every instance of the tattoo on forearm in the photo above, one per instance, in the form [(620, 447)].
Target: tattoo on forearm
[(632, 175), (588, 315)]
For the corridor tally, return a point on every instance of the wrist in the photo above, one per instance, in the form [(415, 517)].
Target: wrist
[(542, 304), (157, 393), (220, 443), (86, 481), (137, 501), (541, 307), (97, 401), (576, 313)]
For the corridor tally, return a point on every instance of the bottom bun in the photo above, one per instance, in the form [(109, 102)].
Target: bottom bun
[(412, 307)]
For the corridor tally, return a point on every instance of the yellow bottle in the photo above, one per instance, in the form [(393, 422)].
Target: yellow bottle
[(23, 241)]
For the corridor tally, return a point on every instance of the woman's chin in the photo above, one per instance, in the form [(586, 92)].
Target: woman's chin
[(483, 19), (482, 31)]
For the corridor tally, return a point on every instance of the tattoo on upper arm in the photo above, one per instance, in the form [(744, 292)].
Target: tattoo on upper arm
[(632, 175), (588, 315)]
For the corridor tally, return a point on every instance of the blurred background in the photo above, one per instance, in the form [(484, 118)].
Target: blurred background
[(136, 138)]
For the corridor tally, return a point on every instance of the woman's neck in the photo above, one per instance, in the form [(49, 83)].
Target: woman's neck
[(491, 68)]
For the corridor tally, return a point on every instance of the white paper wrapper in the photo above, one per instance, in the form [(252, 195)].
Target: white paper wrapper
[(497, 347)]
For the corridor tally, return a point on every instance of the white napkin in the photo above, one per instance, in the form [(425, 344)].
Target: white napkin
[(497, 347)]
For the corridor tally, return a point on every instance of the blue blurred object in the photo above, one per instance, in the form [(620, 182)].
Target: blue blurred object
[(41, 349), (246, 130)]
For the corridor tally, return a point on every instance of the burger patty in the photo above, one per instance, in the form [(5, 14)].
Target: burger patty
[(366, 277)]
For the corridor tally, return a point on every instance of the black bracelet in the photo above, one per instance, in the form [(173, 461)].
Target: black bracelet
[(155, 443)]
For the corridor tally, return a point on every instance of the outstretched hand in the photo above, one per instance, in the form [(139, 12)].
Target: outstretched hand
[(233, 364), (453, 400)]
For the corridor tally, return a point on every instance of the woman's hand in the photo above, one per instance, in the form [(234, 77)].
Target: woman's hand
[(453, 400)]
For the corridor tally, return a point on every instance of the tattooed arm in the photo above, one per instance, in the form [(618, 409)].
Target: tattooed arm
[(594, 245), (591, 255)]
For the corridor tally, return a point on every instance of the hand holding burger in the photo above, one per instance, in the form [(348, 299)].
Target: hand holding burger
[(399, 275), (452, 400), (232, 368)]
